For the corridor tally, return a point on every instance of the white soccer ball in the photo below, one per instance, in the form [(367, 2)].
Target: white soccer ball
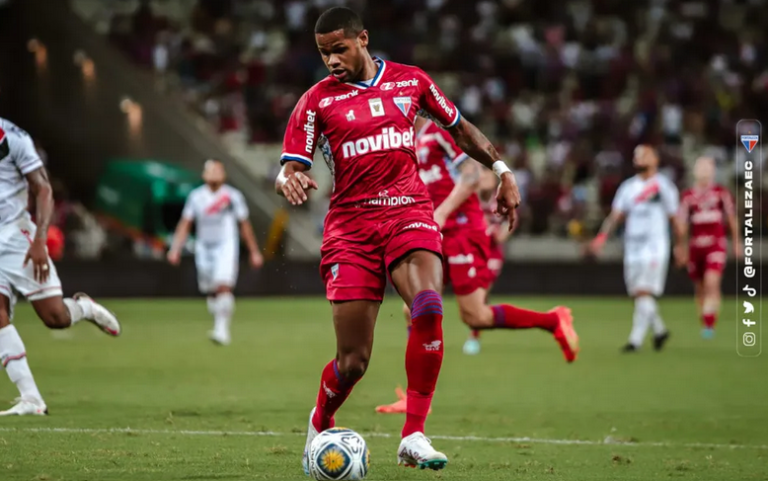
[(338, 453)]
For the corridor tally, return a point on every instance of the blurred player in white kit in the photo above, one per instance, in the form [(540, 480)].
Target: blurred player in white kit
[(217, 209), (647, 202), (25, 267)]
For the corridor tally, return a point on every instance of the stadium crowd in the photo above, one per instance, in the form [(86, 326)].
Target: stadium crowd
[(567, 89)]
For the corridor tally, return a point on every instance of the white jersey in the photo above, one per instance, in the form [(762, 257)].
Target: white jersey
[(18, 158), (647, 205), (216, 214)]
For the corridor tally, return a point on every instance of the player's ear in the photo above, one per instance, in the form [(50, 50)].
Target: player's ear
[(362, 39)]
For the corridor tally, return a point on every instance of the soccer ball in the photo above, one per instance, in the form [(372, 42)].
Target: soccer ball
[(338, 453)]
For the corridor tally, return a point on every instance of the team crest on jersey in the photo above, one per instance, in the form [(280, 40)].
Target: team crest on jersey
[(377, 107), (404, 104), (749, 142), (335, 270)]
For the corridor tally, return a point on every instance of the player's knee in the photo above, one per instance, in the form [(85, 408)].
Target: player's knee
[(5, 319), (223, 290), (353, 365), (57, 318)]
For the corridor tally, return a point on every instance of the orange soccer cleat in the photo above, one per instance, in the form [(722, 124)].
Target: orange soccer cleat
[(565, 335), (397, 407)]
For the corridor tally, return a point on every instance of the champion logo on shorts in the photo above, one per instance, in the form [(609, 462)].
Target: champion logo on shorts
[(335, 270), (433, 346)]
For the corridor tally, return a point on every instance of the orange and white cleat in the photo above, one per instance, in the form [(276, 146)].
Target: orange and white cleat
[(565, 334), (399, 406)]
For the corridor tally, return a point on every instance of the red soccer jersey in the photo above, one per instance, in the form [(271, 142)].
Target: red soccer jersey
[(439, 158), (706, 210), (365, 132)]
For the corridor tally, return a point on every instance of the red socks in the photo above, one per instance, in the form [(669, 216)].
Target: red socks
[(334, 390), (423, 358), (506, 316), (709, 320)]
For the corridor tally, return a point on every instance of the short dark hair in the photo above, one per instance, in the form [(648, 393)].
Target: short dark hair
[(340, 18)]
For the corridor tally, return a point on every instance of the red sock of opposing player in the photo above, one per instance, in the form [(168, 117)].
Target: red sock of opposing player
[(475, 334), (506, 316), (709, 320), (423, 358), (334, 390)]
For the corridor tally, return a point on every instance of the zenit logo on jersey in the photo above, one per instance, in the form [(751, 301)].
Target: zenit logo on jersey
[(404, 104), (749, 142)]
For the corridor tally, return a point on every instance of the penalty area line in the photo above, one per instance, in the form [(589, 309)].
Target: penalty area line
[(566, 442)]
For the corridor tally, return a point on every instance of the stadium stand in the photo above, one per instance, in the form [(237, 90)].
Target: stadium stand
[(556, 84)]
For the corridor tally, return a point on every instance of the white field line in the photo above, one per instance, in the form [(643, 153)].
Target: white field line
[(582, 442)]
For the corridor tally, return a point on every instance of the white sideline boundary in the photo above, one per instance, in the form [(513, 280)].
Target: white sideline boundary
[(608, 441)]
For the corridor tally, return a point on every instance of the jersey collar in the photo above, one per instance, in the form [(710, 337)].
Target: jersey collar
[(376, 79)]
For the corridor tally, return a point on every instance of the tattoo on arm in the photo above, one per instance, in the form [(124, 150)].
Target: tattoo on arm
[(41, 189), (474, 143)]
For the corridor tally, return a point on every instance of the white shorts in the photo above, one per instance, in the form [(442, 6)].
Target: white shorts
[(648, 275), (15, 240), (217, 265)]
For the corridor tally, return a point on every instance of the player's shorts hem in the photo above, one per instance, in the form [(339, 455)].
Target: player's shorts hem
[(467, 290), (44, 293), (407, 249), (6, 291), (346, 294)]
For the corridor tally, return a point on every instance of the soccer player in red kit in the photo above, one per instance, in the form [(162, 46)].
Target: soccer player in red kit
[(380, 223), (498, 233), (704, 210), (452, 179)]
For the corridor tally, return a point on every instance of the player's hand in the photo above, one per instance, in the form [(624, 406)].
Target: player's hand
[(681, 256), (508, 198), (38, 254), (296, 186), (174, 257), (257, 260), (596, 246)]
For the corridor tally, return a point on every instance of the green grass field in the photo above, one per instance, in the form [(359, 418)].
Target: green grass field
[(162, 403)]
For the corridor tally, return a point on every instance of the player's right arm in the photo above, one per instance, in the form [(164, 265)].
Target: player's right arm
[(616, 217), (682, 229), (182, 230), (299, 144)]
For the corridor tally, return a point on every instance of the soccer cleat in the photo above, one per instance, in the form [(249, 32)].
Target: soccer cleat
[(471, 346), (101, 316), (311, 435), (27, 407), (629, 347), (660, 340), (707, 333), (220, 338), (565, 334), (399, 406), (416, 450)]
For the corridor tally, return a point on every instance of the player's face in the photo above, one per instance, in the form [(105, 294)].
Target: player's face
[(704, 170), (645, 158), (214, 173), (342, 55)]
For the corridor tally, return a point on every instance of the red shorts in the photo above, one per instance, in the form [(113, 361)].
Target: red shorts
[(495, 260), (702, 259), (465, 261), (360, 247)]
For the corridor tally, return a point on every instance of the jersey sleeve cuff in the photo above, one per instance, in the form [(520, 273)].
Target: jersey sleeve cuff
[(460, 159), (295, 158), (456, 120), (31, 167)]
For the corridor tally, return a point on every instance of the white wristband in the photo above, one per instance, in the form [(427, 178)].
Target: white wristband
[(499, 167)]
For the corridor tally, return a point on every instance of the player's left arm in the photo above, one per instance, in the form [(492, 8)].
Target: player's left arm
[(471, 141), (466, 185), (40, 187), (670, 199), (246, 230), (733, 222), (476, 145)]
